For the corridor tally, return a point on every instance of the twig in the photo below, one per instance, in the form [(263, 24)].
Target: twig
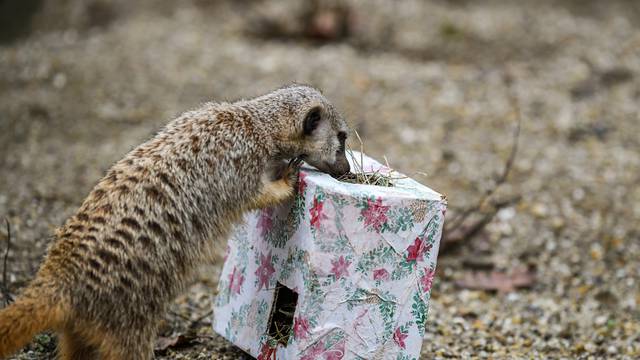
[(4, 287), (361, 149), (453, 232), (199, 319), (455, 237), (183, 317), (194, 322)]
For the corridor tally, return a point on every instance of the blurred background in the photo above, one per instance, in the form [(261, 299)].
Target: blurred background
[(546, 266)]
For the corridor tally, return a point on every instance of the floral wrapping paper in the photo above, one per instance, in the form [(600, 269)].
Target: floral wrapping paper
[(361, 259)]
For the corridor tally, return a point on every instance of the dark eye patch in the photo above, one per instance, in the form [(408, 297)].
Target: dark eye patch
[(312, 120), (342, 137)]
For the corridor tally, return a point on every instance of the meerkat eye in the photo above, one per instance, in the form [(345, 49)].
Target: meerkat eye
[(312, 120), (342, 137)]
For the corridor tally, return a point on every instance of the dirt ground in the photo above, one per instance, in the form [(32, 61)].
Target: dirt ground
[(423, 82)]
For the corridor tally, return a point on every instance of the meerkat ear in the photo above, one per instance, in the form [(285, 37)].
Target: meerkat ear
[(311, 120)]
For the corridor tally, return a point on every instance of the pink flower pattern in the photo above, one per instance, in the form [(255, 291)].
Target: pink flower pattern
[(235, 281), (427, 279), (375, 214), (316, 213), (380, 274), (340, 267), (416, 251), (336, 352), (302, 184), (264, 271), (399, 337), (313, 352), (265, 222), (267, 352), (301, 328)]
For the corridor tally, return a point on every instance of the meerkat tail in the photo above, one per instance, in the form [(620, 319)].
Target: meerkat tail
[(28, 316)]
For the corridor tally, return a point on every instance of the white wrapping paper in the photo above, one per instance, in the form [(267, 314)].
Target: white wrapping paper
[(361, 259)]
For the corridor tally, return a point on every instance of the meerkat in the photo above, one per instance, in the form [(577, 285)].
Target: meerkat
[(143, 230)]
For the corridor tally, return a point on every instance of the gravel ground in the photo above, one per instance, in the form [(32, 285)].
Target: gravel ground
[(423, 83)]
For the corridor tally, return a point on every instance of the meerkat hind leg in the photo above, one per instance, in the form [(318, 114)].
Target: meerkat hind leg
[(72, 346), (141, 349)]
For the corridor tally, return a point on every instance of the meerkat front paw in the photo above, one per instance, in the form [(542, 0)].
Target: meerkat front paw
[(290, 171), (279, 183)]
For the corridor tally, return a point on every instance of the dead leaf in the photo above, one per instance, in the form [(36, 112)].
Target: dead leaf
[(329, 24), (180, 340), (478, 262), (497, 280)]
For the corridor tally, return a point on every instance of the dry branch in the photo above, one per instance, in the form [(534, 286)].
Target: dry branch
[(470, 221), (4, 286)]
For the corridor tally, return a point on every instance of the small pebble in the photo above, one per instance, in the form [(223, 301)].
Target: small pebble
[(59, 80), (601, 320)]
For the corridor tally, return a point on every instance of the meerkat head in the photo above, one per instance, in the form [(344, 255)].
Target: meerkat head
[(304, 123), (324, 132)]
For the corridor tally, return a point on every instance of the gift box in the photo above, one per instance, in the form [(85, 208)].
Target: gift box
[(343, 271)]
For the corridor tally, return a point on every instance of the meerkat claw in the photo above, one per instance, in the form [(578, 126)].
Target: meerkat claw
[(297, 162), (292, 169)]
